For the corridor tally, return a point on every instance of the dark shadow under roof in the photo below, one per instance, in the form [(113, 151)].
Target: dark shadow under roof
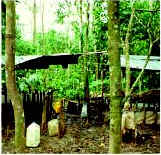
[(44, 61)]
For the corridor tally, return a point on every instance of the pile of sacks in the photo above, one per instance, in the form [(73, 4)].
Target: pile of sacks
[(55, 127), (131, 119)]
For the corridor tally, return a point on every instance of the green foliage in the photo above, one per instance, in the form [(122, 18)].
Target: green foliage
[(29, 81), (63, 11), (3, 28), (143, 20), (100, 24), (69, 82)]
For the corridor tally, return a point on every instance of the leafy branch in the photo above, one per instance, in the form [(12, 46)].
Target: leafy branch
[(146, 62)]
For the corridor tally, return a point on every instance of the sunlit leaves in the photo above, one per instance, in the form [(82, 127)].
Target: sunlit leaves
[(63, 11)]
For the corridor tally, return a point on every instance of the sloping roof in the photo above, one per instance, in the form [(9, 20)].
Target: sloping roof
[(43, 61), (137, 62)]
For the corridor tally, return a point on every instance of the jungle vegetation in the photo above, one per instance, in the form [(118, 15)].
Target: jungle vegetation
[(136, 29), (57, 42)]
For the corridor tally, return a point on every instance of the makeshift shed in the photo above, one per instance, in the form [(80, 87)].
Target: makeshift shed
[(44, 61)]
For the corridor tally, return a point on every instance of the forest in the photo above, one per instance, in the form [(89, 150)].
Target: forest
[(80, 76)]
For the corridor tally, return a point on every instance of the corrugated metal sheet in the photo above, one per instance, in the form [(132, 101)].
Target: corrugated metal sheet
[(137, 62)]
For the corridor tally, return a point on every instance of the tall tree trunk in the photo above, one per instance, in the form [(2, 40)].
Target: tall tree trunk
[(34, 25), (95, 47), (126, 53), (42, 27), (81, 35), (81, 27), (115, 76), (86, 82), (11, 77), (44, 119)]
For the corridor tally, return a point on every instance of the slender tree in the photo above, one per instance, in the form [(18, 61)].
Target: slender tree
[(34, 25), (115, 76), (42, 27), (11, 77), (126, 53), (81, 28), (95, 44), (44, 112), (86, 82), (151, 43)]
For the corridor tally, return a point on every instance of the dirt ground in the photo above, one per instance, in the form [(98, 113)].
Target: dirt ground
[(91, 140)]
